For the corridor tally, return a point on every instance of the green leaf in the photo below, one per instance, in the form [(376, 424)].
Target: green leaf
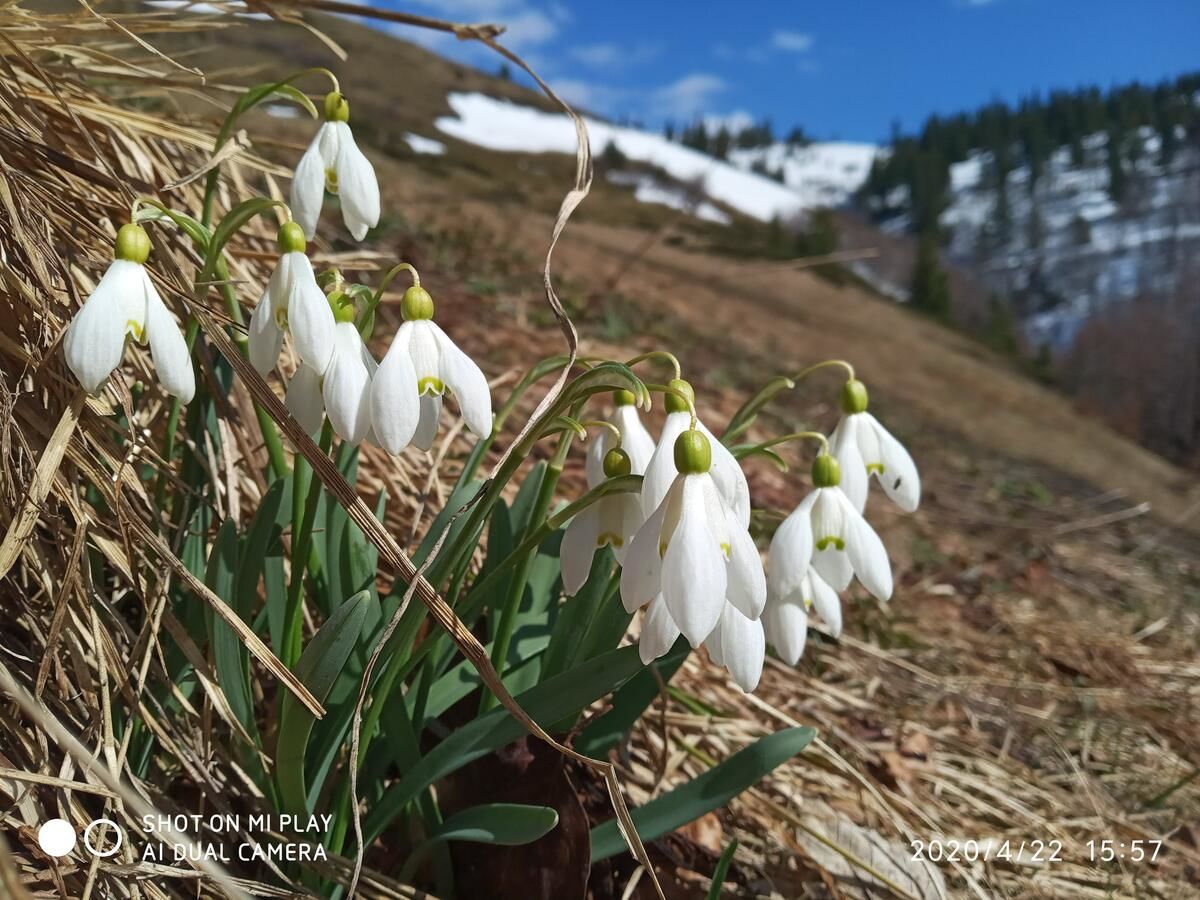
[(722, 869), (549, 702), (260, 93), (502, 824), (230, 225), (705, 792), (231, 659), (155, 212), (261, 534), (574, 615), (628, 704), (318, 668), (744, 417)]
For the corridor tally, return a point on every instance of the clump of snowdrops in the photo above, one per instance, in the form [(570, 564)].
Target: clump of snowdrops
[(664, 526)]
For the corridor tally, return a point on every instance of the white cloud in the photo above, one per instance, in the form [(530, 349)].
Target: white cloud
[(736, 121), (687, 95), (601, 56), (528, 28), (792, 41), (526, 24)]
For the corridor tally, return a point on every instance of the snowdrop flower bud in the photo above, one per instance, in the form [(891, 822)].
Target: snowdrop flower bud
[(635, 439), (865, 448), (693, 551), (126, 303), (794, 587), (661, 470), (292, 301), (611, 520), (334, 162), (845, 545), (420, 366)]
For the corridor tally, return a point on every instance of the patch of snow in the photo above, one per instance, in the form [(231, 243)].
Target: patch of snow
[(282, 110), (207, 9), (427, 146), (648, 189), (499, 125), (823, 174)]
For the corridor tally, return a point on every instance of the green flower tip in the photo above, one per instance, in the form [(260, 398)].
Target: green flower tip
[(624, 398), (616, 463), (417, 304), (290, 238), (854, 397), (826, 472), (693, 453), (342, 306), (337, 109), (133, 244), (676, 403)]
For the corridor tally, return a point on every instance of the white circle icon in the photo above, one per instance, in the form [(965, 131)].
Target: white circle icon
[(87, 837), (57, 838)]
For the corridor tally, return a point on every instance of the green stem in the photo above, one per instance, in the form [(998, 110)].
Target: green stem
[(306, 491)]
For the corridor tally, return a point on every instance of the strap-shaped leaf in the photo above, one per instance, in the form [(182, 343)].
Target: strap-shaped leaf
[(502, 824)]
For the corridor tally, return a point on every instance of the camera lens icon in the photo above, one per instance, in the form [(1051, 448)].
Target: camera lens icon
[(58, 838)]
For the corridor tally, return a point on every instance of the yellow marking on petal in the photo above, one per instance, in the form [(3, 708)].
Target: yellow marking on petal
[(609, 537), (662, 549), (430, 385), (835, 542), (281, 318), (727, 550), (877, 468), (331, 181), (138, 332)]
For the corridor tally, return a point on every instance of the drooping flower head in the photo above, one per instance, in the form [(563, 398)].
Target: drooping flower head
[(865, 448), (333, 162), (635, 439), (125, 304), (661, 470), (794, 588), (612, 520), (845, 546), (693, 551), (419, 367), (292, 301)]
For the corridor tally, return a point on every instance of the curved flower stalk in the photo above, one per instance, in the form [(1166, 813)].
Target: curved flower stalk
[(125, 304), (613, 520), (292, 301), (420, 366), (334, 162), (845, 546), (864, 448), (635, 440), (693, 555), (661, 470), (794, 588)]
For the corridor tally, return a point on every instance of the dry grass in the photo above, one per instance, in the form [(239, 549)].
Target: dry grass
[(1035, 677)]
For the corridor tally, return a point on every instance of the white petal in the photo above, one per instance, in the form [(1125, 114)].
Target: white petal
[(834, 566), (593, 466), (172, 361), (843, 444), (743, 647), (730, 479), (786, 627), (867, 555), (577, 549), (395, 406), (791, 551), (308, 186), (310, 319), (347, 386), (899, 478), (693, 568), (467, 382), (427, 424), (422, 343), (358, 187), (661, 471), (825, 601), (95, 340), (304, 400), (627, 517), (265, 337), (659, 632), (641, 574), (635, 439), (747, 589)]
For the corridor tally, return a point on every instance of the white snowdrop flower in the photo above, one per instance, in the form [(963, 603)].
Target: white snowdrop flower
[(865, 448), (334, 162), (611, 520), (304, 399), (635, 439), (794, 588), (844, 544), (125, 304), (661, 470), (739, 644), (346, 385), (293, 301), (694, 551), (420, 366)]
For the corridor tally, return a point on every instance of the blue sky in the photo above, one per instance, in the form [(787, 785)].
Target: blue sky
[(841, 69)]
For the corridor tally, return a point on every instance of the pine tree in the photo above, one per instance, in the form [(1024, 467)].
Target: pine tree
[(930, 291)]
